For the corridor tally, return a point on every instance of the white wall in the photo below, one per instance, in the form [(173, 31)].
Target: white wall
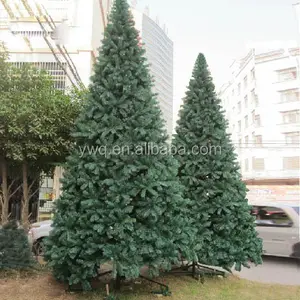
[(84, 34), (266, 86), (159, 51)]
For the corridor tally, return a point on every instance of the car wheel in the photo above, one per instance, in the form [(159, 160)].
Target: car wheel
[(39, 248)]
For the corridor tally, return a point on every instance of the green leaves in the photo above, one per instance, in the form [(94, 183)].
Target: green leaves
[(93, 219), (73, 252), (99, 228), (36, 119), (238, 266)]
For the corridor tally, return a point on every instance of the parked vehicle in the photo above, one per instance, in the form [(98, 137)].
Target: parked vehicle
[(37, 234), (278, 226)]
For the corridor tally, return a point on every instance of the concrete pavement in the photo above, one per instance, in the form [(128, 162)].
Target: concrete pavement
[(274, 270)]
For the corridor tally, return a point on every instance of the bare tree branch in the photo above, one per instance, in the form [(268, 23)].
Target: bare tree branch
[(29, 216), (1, 198), (36, 191), (12, 183), (15, 191), (33, 182), (31, 185)]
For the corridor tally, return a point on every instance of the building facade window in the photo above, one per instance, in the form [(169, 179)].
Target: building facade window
[(253, 116), (253, 95), (258, 141), (246, 140), (245, 81), (246, 122), (31, 33), (246, 101), (239, 107), (53, 68), (287, 74), (291, 95), (240, 126), (253, 74), (291, 117), (239, 89), (246, 165), (257, 121), (258, 164), (291, 163), (254, 98), (292, 137)]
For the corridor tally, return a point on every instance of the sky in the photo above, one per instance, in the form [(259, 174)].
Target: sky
[(221, 30)]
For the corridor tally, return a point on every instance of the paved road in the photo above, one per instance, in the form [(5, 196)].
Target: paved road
[(274, 270)]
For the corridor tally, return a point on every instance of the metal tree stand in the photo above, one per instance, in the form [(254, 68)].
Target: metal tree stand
[(197, 271), (78, 288), (164, 289)]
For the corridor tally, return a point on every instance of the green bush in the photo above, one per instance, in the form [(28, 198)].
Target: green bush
[(15, 251)]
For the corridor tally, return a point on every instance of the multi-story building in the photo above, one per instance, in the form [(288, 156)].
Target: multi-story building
[(262, 106), (159, 52), (61, 36)]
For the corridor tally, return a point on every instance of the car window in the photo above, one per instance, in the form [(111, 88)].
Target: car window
[(271, 216), (297, 209)]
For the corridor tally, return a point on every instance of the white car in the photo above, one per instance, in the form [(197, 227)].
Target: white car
[(276, 223), (37, 233), (278, 226)]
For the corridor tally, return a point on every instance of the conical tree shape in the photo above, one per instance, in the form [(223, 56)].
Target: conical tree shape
[(211, 177), (119, 202)]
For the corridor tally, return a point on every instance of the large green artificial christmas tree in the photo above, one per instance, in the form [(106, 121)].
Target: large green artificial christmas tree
[(210, 174), (15, 252), (119, 202)]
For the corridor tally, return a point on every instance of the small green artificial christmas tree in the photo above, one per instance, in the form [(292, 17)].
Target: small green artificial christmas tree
[(15, 251), (119, 204), (219, 210)]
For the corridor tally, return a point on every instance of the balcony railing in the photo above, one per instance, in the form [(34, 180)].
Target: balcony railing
[(289, 100), (267, 145), (271, 174)]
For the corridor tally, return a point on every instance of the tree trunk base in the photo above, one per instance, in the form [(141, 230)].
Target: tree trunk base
[(118, 283)]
